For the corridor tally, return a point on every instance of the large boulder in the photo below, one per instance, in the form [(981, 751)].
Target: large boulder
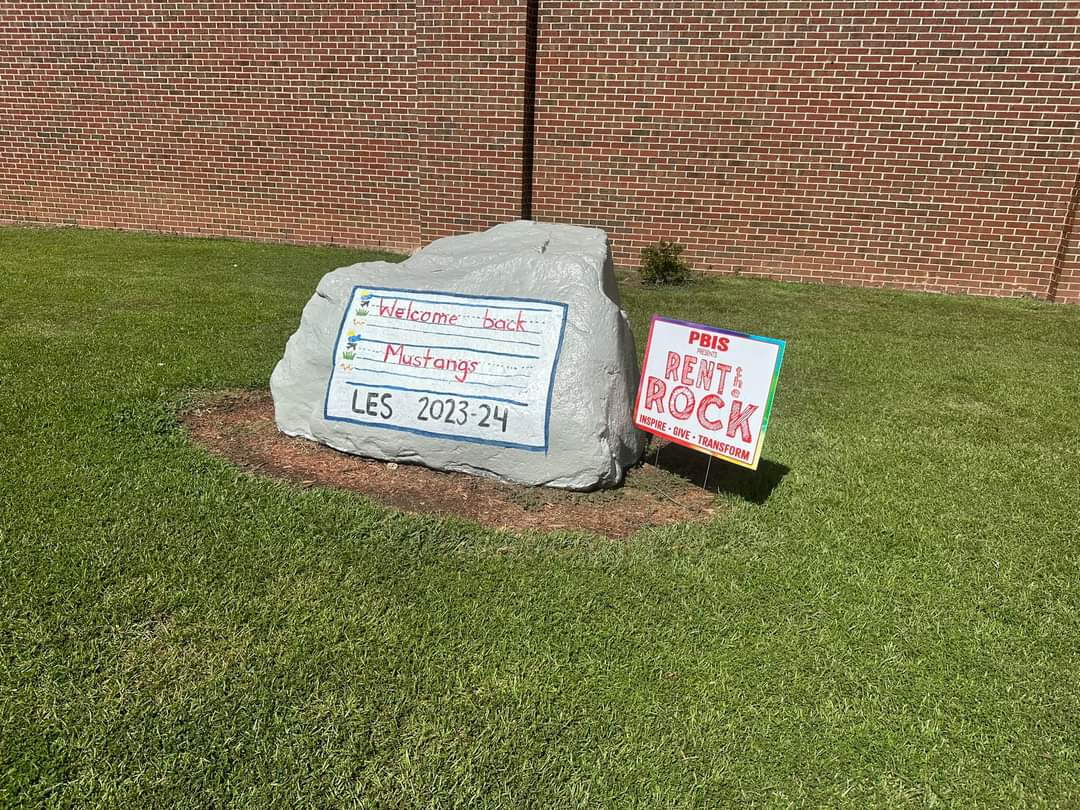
[(502, 353)]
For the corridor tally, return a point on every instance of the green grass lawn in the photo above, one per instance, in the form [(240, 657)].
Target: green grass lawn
[(898, 623)]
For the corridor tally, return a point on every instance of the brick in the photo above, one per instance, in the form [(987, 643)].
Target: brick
[(925, 146)]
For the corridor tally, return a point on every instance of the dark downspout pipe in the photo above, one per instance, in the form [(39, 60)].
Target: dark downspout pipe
[(1066, 235), (528, 122)]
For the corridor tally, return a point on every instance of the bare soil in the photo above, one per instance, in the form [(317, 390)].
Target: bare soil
[(240, 426)]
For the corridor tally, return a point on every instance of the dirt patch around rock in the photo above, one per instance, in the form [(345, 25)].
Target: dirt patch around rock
[(239, 426)]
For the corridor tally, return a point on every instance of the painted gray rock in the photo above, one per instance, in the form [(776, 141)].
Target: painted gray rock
[(502, 354)]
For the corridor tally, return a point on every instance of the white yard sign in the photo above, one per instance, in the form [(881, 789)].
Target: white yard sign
[(708, 389), (472, 368)]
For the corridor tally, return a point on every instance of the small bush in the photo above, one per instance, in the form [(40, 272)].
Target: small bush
[(662, 263)]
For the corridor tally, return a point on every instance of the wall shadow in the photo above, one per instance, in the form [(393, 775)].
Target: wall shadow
[(752, 485)]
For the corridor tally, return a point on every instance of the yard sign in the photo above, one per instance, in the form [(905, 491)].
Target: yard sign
[(708, 389)]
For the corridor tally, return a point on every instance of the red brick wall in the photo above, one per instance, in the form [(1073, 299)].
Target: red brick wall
[(1066, 285), (919, 145), (470, 58), (276, 120)]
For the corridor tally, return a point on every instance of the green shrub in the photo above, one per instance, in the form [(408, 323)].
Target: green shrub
[(663, 264)]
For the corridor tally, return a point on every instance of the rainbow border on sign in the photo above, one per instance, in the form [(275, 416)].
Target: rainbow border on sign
[(782, 345)]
